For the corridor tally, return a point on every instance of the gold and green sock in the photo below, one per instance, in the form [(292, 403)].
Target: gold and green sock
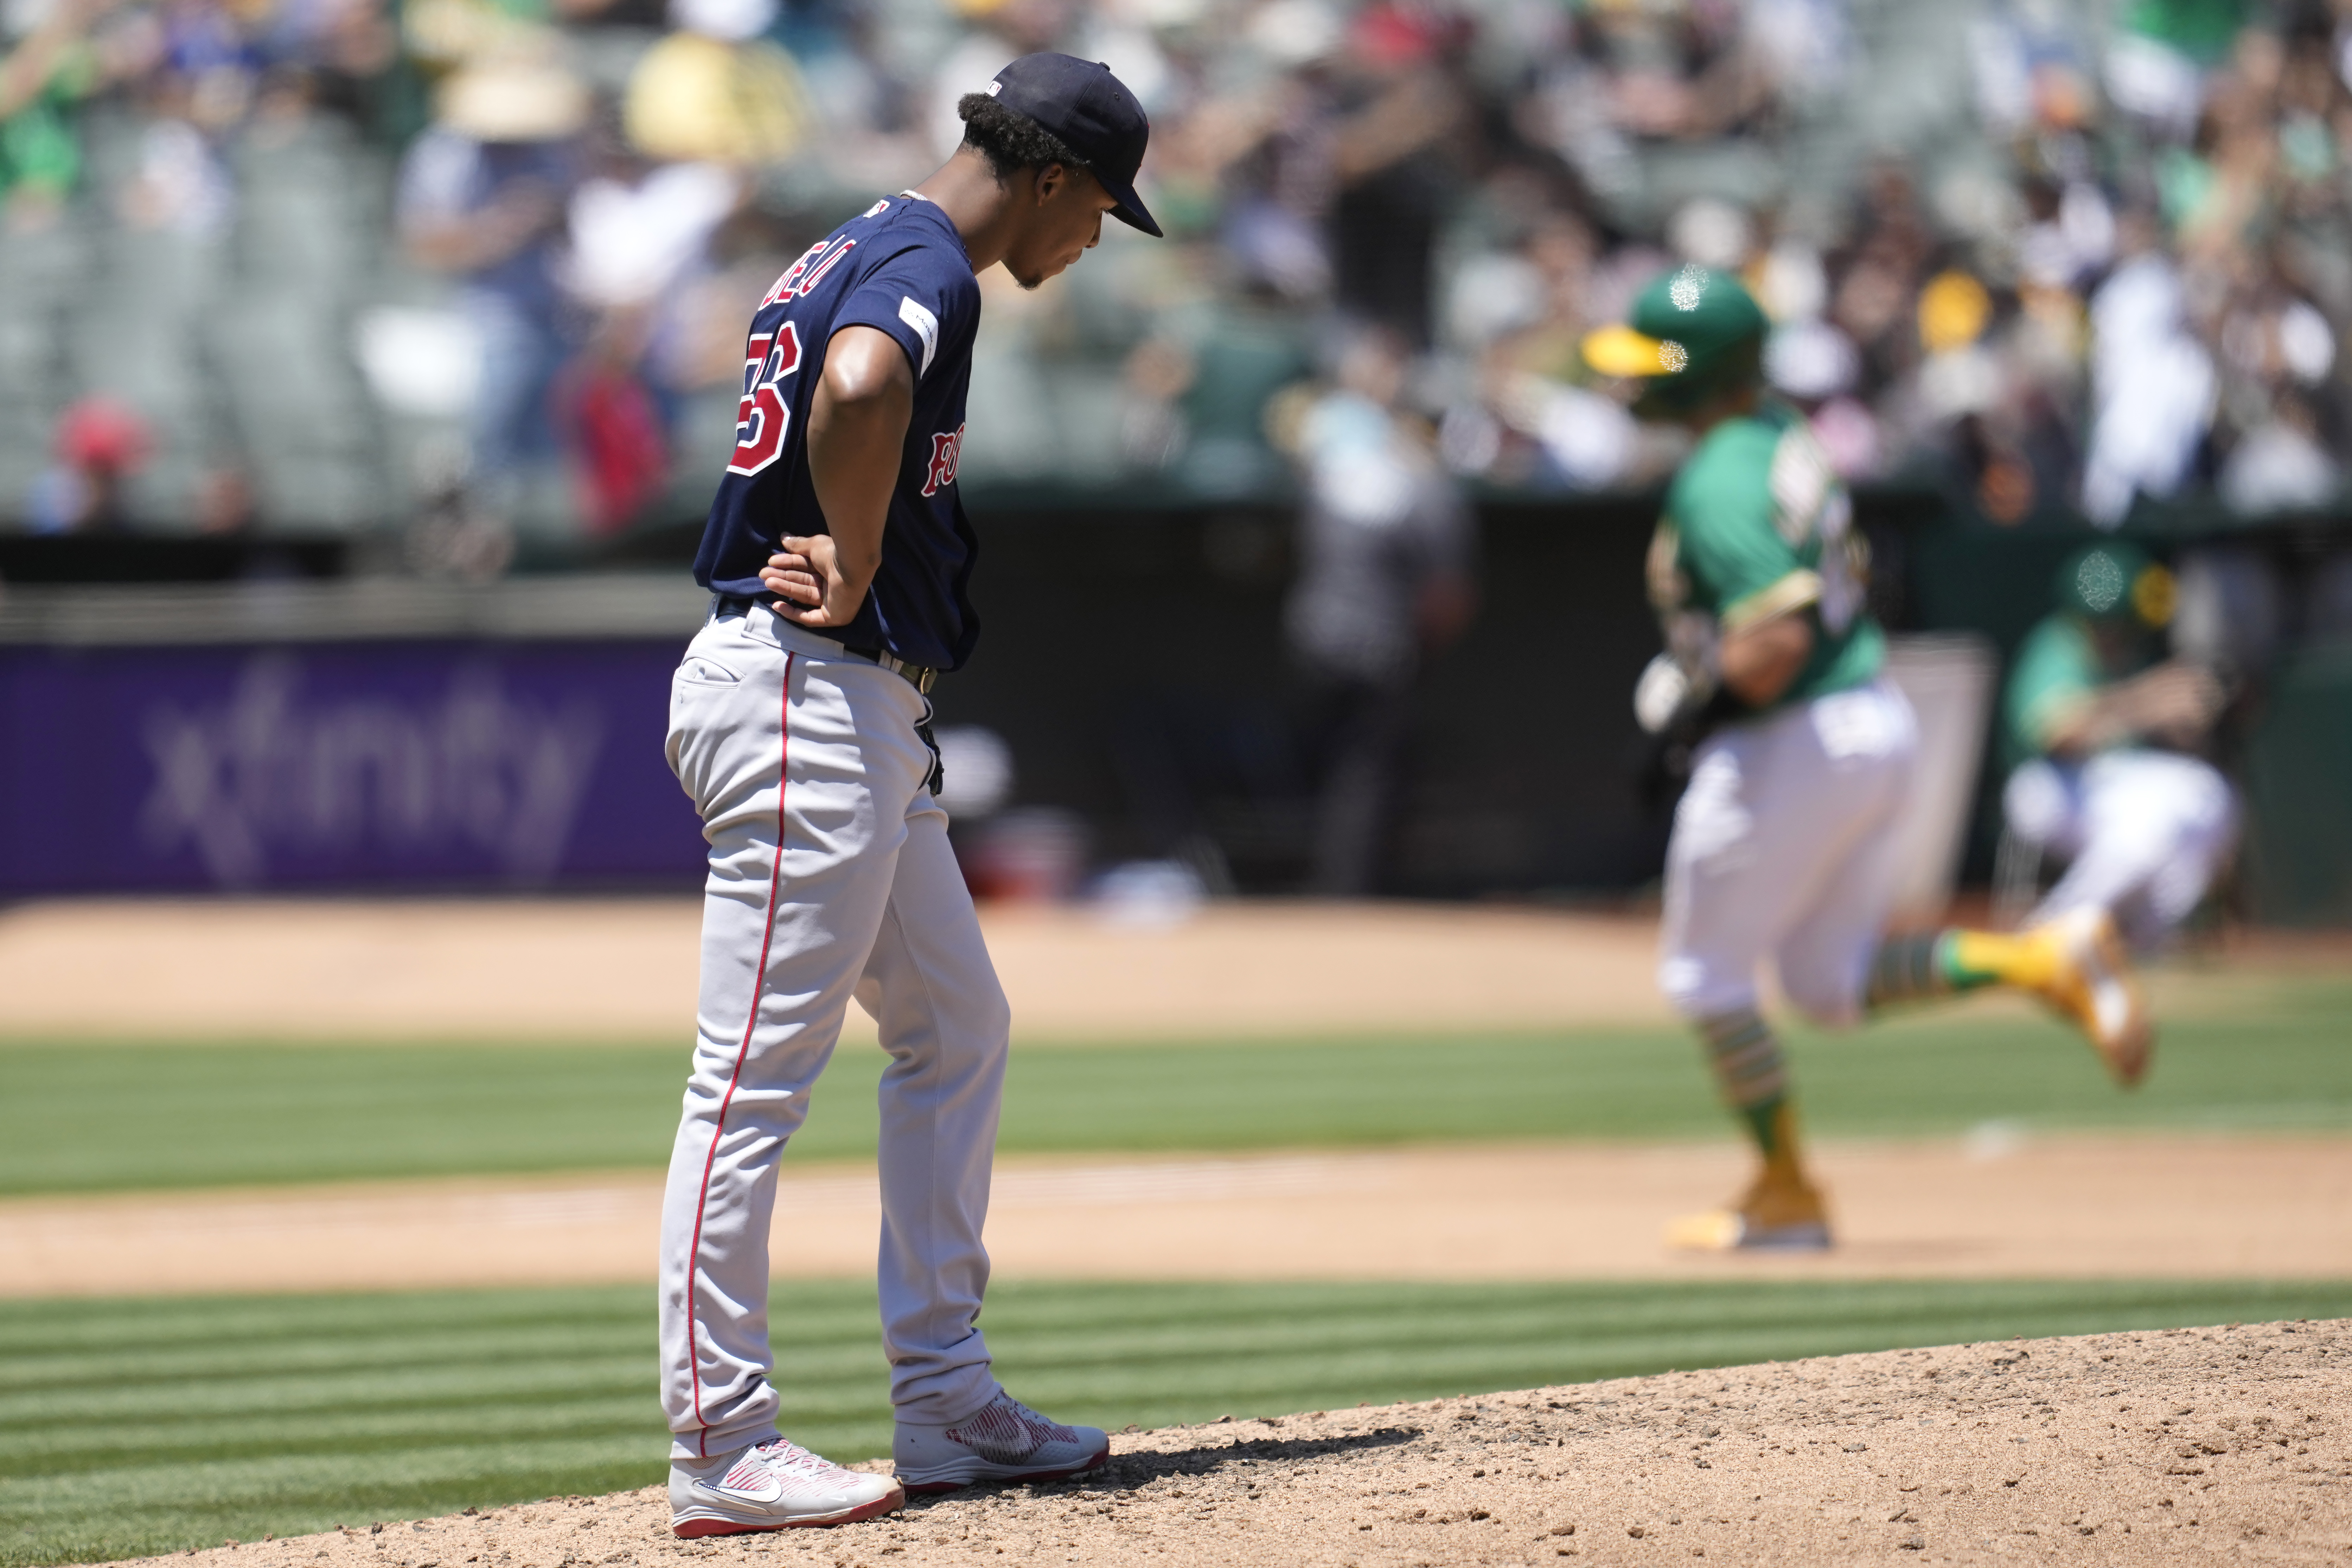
[(1746, 1056), (1938, 963)]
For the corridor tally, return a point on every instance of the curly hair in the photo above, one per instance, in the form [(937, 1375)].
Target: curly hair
[(1009, 139)]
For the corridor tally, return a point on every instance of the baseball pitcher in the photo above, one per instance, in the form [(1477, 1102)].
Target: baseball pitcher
[(838, 554), (1783, 841)]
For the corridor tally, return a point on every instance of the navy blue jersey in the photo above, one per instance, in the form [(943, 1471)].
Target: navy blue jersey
[(899, 268)]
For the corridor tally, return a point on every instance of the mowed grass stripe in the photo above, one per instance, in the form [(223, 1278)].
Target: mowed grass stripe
[(260, 1325), (309, 1359), (184, 1116), (617, 1425), (439, 1405), (305, 1360)]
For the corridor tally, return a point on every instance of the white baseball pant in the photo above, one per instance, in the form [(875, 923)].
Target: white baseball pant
[(1783, 849), (830, 875), (2144, 834)]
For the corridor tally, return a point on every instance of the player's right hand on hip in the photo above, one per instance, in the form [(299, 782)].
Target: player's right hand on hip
[(810, 585)]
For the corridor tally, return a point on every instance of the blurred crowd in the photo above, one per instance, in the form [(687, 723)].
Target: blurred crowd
[(478, 271)]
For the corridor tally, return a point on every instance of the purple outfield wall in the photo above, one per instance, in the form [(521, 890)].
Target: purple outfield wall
[(483, 763)]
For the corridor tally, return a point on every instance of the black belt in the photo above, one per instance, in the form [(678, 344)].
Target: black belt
[(921, 676)]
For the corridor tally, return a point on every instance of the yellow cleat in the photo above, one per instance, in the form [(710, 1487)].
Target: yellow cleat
[(1775, 1215), (2089, 981)]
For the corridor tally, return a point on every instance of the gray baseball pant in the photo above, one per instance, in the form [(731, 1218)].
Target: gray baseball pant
[(830, 876)]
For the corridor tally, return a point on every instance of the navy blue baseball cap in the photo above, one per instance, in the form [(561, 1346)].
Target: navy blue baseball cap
[(1092, 113)]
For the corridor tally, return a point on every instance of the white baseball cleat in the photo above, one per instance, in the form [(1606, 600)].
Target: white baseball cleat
[(1004, 1441), (775, 1485)]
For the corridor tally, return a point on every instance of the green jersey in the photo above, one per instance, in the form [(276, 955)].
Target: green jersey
[(1758, 524), (2057, 668)]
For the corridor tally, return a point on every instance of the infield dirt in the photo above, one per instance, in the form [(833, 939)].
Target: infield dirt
[(2085, 1206), (428, 969), (2192, 1445), (432, 969)]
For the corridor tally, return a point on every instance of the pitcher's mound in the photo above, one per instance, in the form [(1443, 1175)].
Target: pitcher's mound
[(2157, 1447)]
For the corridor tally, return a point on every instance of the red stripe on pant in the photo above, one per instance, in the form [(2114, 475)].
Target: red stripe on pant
[(742, 1051)]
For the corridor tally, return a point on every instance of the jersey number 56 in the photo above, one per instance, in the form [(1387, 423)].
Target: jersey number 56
[(761, 418)]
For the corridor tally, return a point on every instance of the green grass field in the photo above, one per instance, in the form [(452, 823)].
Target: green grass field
[(199, 1115), (134, 1427)]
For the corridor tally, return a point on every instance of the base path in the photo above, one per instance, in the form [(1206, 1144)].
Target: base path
[(2197, 1446), (2067, 1207), (624, 969)]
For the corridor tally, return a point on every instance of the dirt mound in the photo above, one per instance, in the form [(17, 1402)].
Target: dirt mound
[(2178, 1447)]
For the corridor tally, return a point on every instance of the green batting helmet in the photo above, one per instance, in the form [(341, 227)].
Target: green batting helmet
[(1695, 334)]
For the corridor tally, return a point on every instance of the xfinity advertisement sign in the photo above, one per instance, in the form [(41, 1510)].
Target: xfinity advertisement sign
[(515, 765)]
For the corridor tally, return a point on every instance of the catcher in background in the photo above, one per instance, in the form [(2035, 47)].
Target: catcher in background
[(2100, 732), (1783, 845)]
